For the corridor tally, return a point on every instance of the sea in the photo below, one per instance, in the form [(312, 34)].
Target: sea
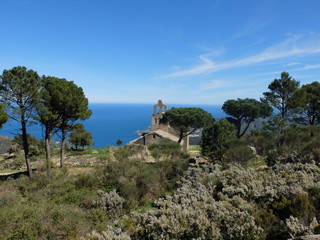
[(110, 122)]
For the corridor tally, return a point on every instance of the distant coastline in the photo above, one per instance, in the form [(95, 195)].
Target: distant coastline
[(112, 121)]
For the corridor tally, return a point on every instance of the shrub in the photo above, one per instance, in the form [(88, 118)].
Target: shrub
[(122, 154), (239, 152), (215, 139), (87, 180), (166, 149), (230, 202), (296, 144), (111, 202), (140, 182), (109, 234)]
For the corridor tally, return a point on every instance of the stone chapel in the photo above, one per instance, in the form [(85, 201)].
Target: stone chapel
[(159, 130)]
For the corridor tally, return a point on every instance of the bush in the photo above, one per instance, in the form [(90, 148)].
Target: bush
[(232, 202), (111, 202), (42, 221), (215, 140), (239, 152), (296, 144), (36, 147), (122, 154), (140, 182), (166, 149), (59, 207), (109, 234)]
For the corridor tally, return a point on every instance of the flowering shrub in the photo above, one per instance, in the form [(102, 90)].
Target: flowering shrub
[(230, 202), (108, 234), (111, 202)]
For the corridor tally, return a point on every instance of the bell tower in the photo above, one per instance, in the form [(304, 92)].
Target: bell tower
[(158, 111)]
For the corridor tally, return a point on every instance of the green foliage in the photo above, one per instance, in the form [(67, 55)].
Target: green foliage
[(266, 139), (140, 182), (280, 93), (167, 149), (48, 111), (314, 194), (38, 222), (49, 106), (80, 137), (35, 146), (296, 144), (60, 207), (268, 221), (305, 102), (216, 139), (19, 93), (317, 229), (63, 103), (187, 120), (119, 142), (245, 111), (220, 143), (230, 203), (122, 154), (238, 151), (64, 100), (3, 116)]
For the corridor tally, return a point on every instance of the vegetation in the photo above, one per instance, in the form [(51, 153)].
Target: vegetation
[(35, 146), (259, 184), (19, 93), (215, 202), (280, 93), (167, 149), (55, 103), (245, 111), (217, 138), (68, 206), (73, 107), (187, 120), (3, 116), (63, 103), (119, 142), (306, 104), (47, 113), (80, 137)]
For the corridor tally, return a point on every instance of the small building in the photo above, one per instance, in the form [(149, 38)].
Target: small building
[(158, 130)]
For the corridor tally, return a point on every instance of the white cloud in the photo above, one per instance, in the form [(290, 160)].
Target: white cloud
[(307, 67), (256, 43), (292, 47), (268, 73), (215, 84), (253, 26), (291, 64)]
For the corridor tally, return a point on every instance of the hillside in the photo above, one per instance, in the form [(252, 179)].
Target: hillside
[(5, 144), (152, 192)]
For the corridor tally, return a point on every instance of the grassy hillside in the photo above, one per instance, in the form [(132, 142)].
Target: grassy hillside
[(138, 192), (76, 200)]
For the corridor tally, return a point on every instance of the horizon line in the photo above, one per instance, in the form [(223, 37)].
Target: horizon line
[(169, 103)]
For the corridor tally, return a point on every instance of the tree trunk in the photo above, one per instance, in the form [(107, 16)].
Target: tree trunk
[(181, 136), (63, 138), (238, 125), (246, 128), (26, 145), (48, 149)]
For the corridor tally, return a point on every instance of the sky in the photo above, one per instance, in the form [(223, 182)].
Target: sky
[(180, 51)]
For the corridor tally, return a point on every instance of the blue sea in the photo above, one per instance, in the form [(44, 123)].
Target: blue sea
[(110, 122)]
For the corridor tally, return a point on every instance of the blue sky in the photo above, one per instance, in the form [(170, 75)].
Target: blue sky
[(181, 51)]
